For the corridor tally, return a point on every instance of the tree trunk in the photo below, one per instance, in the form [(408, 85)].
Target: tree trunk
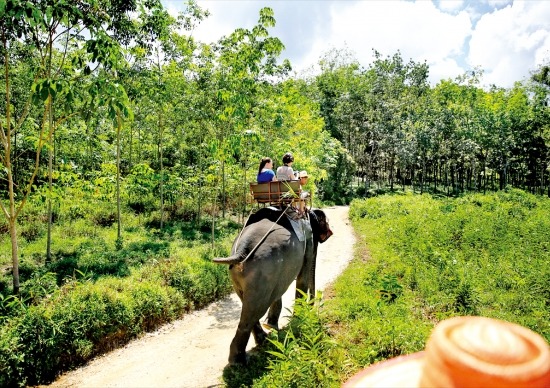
[(50, 185), (392, 160), (130, 148), (14, 256), (161, 123), (223, 188), (423, 175), (119, 223)]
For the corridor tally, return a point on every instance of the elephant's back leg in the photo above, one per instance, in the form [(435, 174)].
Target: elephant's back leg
[(274, 314), (254, 307)]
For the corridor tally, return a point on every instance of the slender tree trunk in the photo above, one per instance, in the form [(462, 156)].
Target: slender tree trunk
[(452, 171), (130, 149), (161, 124), (50, 185), (50, 162), (436, 164), (10, 212), (201, 177), (392, 161), (423, 175), (119, 223), (223, 188), (245, 189)]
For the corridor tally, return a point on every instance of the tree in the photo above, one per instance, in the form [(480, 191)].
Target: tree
[(51, 31), (246, 58)]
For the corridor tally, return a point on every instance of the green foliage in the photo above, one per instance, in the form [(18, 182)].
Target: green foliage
[(390, 289), (303, 353), (83, 318), (199, 281), (341, 168), (82, 321), (435, 258)]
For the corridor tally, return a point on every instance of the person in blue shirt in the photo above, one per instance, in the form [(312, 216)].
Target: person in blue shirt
[(265, 172)]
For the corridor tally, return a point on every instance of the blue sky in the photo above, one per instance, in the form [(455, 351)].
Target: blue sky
[(507, 39)]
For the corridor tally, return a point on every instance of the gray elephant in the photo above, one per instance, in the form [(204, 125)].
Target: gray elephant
[(271, 251)]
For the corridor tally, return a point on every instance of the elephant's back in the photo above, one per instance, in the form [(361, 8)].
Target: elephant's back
[(269, 241), (267, 231)]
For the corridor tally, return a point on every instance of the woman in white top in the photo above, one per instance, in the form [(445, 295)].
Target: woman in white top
[(285, 172)]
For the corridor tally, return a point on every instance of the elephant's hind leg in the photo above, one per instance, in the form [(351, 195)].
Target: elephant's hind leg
[(274, 313), (259, 334), (237, 349), (251, 313)]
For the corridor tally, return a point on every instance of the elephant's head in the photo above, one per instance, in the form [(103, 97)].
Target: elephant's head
[(319, 225)]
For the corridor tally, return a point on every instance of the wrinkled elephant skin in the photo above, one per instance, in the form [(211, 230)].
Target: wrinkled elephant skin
[(266, 258)]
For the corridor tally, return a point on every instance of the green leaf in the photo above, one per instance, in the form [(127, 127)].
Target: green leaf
[(49, 14), (44, 92)]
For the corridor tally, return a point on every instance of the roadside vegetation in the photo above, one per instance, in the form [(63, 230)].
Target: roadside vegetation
[(419, 259), (93, 297)]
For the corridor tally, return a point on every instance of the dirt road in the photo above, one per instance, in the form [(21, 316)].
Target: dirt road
[(192, 351)]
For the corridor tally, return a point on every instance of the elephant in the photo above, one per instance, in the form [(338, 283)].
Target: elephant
[(266, 257)]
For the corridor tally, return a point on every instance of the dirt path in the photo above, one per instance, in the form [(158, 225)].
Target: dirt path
[(192, 351)]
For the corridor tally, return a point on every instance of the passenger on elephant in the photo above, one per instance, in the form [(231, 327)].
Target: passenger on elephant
[(265, 171), (285, 172), (303, 177)]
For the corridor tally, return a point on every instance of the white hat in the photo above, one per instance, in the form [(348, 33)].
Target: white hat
[(303, 174)]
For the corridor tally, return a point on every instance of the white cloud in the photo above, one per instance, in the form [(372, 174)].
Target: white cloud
[(509, 42), (444, 69), (505, 38), (223, 15), (419, 30), (451, 6)]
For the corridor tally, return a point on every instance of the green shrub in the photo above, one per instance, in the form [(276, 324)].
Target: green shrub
[(33, 230), (104, 216), (199, 281), (303, 353), (39, 286), (12, 355), (81, 321)]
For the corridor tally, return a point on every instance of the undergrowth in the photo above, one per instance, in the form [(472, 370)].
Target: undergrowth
[(97, 292)]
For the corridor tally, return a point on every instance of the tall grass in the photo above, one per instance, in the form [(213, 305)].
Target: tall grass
[(475, 255)]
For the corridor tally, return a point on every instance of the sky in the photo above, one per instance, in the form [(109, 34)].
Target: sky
[(507, 39)]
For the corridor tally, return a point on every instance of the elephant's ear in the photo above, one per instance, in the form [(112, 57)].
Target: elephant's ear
[(322, 228), (228, 260)]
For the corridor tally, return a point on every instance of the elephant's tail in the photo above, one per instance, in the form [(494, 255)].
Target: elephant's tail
[(236, 258)]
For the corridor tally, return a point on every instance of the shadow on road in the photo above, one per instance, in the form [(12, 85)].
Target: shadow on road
[(226, 313)]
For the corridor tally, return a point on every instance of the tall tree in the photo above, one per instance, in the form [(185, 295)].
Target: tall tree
[(246, 58), (49, 30)]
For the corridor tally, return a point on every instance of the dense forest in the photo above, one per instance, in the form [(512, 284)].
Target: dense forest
[(116, 101), (113, 112)]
